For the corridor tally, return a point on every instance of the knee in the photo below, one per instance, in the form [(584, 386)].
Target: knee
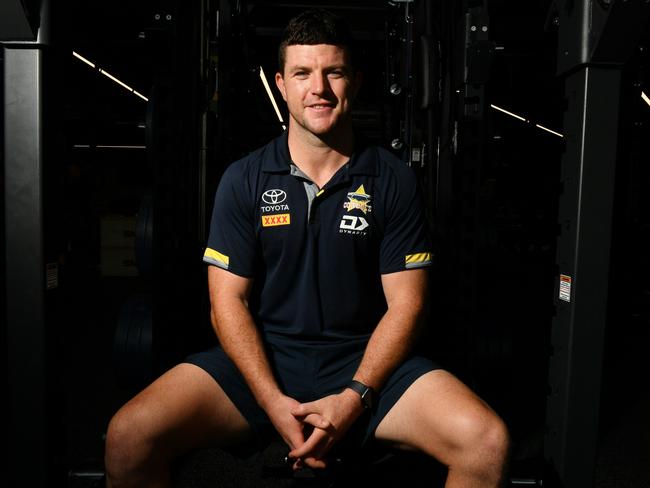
[(486, 436), (496, 438), (127, 442)]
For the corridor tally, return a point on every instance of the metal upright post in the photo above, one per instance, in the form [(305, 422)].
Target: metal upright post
[(25, 266), (585, 213), (28, 410), (595, 40)]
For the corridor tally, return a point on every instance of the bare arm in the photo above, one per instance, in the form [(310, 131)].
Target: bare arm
[(242, 342), (237, 332), (398, 330), (390, 343)]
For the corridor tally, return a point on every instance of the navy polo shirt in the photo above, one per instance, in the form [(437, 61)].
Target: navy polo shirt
[(317, 260)]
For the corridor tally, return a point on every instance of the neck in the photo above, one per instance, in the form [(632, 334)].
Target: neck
[(319, 157)]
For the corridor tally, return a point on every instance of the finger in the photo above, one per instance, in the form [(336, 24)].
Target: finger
[(303, 409), (310, 462), (315, 463), (294, 437), (317, 421), (310, 445)]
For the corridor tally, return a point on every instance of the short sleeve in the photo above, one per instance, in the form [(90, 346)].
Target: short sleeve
[(405, 244), (231, 243)]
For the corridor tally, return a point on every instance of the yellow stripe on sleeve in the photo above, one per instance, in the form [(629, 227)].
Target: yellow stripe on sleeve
[(216, 257), (419, 259)]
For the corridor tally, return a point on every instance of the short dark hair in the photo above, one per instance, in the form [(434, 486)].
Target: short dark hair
[(316, 26)]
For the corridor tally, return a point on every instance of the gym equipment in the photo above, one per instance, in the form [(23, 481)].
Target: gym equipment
[(133, 342), (144, 237)]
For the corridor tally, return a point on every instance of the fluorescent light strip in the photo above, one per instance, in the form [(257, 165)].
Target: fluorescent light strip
[(141, 96), (88, 146), (645, 98), (108, 75), (509, 113), (121, 147), (79, 56), (518, 117), (549, 130), (270, 94)]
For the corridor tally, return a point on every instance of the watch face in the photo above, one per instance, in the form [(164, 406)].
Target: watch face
[(366, 393), (368, 398)]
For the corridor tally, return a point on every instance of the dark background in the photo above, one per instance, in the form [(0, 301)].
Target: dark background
[(131, 298)]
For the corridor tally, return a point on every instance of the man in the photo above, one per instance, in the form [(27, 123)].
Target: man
[(318, 268)]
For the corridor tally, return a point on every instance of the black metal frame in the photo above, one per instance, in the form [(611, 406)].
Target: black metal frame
[(34, 441), (590, 56), (585, 215), (28, 421)]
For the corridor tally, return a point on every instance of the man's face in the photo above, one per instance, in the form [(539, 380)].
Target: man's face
[(318, 85)]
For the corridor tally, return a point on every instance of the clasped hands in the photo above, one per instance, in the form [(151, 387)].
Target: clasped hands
[(311, 429)]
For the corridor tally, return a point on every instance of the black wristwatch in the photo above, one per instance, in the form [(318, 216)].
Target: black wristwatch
[(367, 394)]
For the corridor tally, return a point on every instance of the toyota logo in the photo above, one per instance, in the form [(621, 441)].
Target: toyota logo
[(273, 197)]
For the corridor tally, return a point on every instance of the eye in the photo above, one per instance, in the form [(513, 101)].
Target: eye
[(301, 74), (337, 73)]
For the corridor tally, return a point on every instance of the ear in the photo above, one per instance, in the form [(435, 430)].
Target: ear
[(279, 82)]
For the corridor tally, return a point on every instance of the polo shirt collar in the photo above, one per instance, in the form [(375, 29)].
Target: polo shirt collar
[(277, 160), (364, 160), (276, 157)]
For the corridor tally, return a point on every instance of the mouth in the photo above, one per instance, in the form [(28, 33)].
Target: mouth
[(321, 106)]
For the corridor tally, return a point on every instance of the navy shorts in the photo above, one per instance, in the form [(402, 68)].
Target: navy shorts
[(307, 372)]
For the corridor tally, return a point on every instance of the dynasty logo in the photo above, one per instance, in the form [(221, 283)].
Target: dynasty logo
[(359, 200), (351, 224)]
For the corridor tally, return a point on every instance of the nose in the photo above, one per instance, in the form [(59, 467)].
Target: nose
[(320, 84)]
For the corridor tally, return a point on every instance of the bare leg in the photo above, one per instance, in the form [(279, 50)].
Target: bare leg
[(183, 409), (441, 417)]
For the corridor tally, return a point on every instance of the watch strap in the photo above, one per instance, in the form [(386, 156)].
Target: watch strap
[(366, 393)]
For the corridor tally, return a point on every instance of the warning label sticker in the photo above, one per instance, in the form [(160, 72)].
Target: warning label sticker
[(565, 288)]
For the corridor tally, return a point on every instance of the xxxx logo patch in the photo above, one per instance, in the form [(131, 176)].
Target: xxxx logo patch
[(275, 220)]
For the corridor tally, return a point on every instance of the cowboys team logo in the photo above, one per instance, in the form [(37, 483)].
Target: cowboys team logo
[(358, 200)]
